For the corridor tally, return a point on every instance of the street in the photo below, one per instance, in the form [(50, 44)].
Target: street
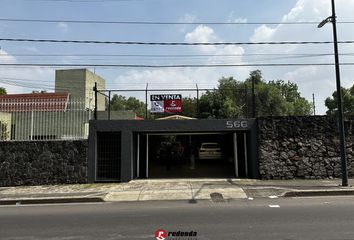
[(263, 218)]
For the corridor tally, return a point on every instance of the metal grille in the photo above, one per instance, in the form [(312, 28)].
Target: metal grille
[(43, 119), (108, 156)]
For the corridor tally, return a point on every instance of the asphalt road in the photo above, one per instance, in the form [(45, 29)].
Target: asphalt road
[(300, 218)]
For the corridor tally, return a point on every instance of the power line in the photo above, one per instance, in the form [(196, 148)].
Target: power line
[(187, 60), (32, 83), (171, 43), (24, 85), (184, 61), (28, 81), (162, 55), (160, 22), (18, 83), (47, 65), (175, 55), (52, 85), (222, 58), (85, 1)]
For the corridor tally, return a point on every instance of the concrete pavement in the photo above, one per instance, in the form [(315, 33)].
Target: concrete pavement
[(172, 189)]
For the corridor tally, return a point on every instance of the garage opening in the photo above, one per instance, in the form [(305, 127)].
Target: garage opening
[(192, 155)]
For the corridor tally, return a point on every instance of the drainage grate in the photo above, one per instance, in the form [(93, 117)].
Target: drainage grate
[(217, 197), (108, 156)]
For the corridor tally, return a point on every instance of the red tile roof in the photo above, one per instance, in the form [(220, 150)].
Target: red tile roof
[(39, 102)]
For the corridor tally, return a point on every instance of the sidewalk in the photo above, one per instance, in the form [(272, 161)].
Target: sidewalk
[(190, 190)]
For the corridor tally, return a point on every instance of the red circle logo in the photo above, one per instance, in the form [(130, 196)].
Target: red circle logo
[(161, 234)]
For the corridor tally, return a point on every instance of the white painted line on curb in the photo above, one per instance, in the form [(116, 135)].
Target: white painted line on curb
[(274, 206), (53, 204), (318, 197)]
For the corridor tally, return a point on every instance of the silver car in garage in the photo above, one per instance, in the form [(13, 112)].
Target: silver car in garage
[(210, 150)]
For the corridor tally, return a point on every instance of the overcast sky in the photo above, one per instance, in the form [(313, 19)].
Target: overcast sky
[(319, 80)]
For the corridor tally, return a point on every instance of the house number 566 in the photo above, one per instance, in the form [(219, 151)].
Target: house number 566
[(236, 124)]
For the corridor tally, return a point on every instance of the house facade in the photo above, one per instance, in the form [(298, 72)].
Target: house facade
[(63, 114)]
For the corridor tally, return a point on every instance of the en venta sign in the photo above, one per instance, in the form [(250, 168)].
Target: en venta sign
[(166, 103)]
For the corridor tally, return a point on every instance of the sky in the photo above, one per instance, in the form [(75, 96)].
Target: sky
[(317, 80)]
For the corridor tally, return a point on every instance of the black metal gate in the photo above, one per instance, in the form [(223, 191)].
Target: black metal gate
[(108, 156)]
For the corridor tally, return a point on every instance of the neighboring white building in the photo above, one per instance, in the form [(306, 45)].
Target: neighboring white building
[(43, 116), (63, 114)]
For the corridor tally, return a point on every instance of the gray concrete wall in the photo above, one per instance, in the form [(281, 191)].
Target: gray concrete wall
[(43, 162), (302, 147), (79, 83), (91, 78), (116, 115), (71, 81)]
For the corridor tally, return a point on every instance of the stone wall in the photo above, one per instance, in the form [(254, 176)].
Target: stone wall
[(288, 148), (302, 147), (43, 162)]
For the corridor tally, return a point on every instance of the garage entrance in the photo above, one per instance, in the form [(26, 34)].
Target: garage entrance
[(122, 150), (192, 155)]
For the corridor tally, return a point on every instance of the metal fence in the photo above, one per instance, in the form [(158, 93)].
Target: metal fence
[(43, 119), (196, 107)]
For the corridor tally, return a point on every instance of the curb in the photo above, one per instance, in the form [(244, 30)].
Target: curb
[(50, 200), (318, 193)]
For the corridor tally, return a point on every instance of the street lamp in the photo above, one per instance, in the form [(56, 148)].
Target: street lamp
[(343, 157)]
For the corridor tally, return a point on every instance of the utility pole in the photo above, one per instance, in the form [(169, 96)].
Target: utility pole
[(109, 105), (313, 104), (146, 101), (339, 96), (339, 102), (95, 109), (196, 85)]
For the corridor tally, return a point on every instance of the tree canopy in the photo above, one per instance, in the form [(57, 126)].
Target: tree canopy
[(347, 100), (189, 107), (2, 91), (233, 99), (119, 102)]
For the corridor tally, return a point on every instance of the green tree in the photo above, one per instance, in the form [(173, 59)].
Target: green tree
[(210, 105), (347, 100), (120, 102), (233, 99), (227, 101), (230, 109), (288, 90), (295, 104), (2, 91), (189, 107), (256, 75), (269, 101)]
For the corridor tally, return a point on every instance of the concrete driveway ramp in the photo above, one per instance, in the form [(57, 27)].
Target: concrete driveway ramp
[(177, 189)]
